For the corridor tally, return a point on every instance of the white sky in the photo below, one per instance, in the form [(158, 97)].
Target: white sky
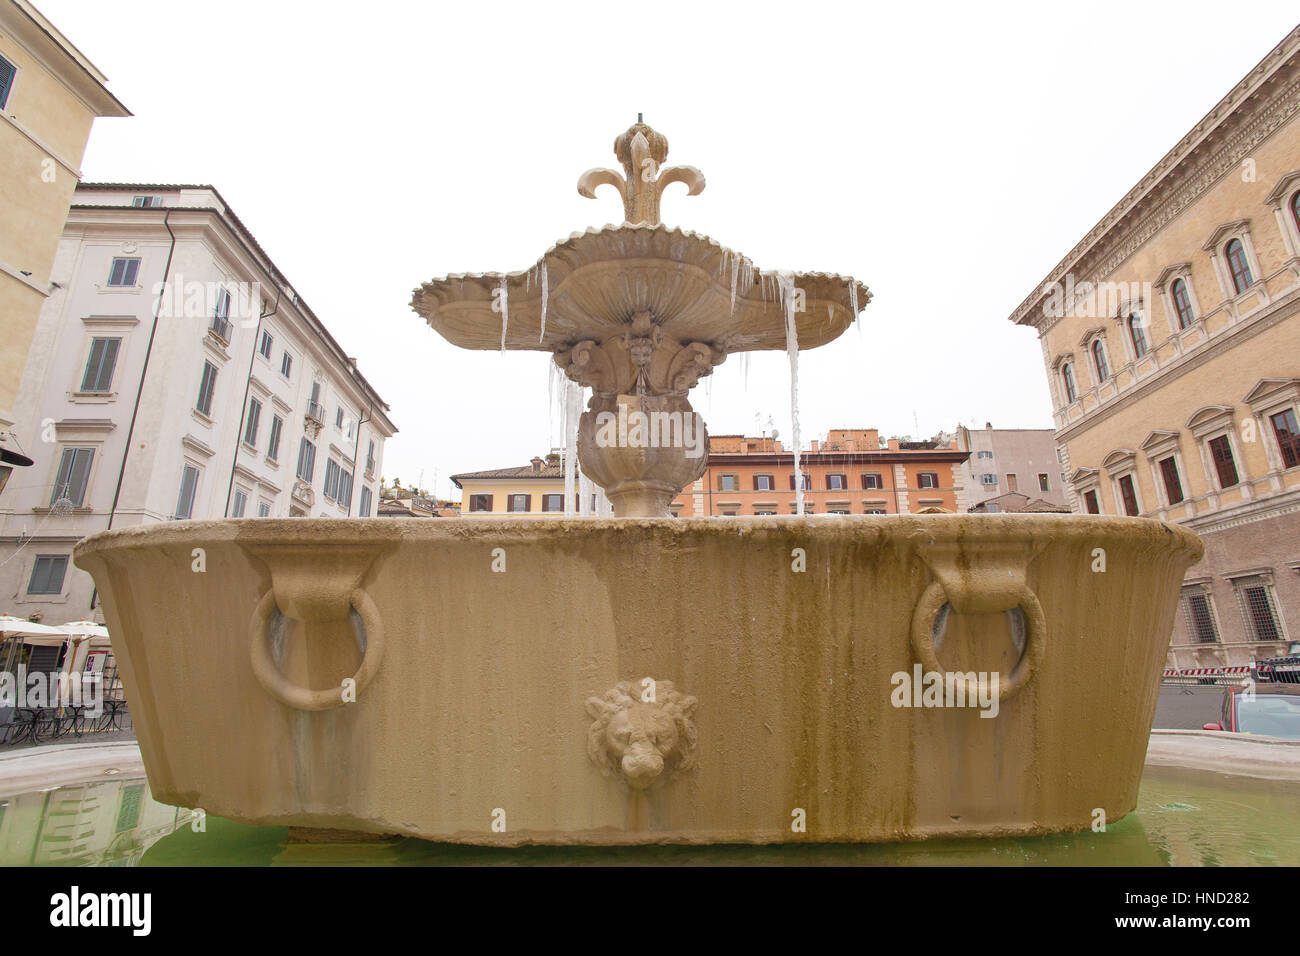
[(948, 155)]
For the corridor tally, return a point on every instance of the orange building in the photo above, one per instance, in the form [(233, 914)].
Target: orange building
[(851, 471)]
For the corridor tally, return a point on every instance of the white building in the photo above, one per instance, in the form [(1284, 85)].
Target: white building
[(169, 331)]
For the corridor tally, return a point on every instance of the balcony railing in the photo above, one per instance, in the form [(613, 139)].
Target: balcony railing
[(221, 328), (316, 412)]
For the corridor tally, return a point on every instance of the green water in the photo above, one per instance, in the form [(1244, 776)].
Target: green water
[(1184, 818)]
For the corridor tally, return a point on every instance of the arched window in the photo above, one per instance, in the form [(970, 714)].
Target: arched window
[(1137, 335), (1183, 302), (1099, 360), (1295, 208), (1067, 378), (1238, 266)]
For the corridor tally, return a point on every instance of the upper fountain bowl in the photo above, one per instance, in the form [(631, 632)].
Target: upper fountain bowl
[(593, 283)]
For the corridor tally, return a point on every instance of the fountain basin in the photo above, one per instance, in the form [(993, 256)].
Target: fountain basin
[(499, 673)]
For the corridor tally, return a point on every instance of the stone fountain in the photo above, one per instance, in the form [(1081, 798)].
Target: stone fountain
[(639, 313), (644, 679)]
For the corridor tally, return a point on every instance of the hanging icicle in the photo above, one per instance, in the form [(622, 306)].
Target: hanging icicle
[(545, 295), (572, 413), (786, 283), (505, 313)]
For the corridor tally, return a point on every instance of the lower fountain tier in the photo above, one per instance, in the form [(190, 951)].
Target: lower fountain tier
[(501, 667)]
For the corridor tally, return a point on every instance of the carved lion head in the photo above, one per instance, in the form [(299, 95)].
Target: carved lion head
[(643, 730)]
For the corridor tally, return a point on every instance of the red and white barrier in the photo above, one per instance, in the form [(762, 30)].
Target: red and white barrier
[(1233, 671)]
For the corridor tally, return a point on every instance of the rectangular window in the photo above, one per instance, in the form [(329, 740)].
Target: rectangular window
[(331, 479), (519, 503), (264, 346), (1224, 464), (345, 488), (1090, 503), (98, 376), (239, 504), (1042, 482), (189, 485), (1200, 619), (927, 479), (147, 202), (47, 574), (286, 365), (370, 458), (871, 479), (124, 272), (264, 509), (989, 480), (727, 483), (552, 502), (874, 511), (254, 420), (836, 483), (364, 508), (1287, 433), (273, 446), (480, 502), (306, 460), (763, 483), (807, 482), (338, 418), (1013, 483), (1173, 486), (1260, 612), (207, 388), (984, 454), (7, 73), (1128, 494), (74, 473)]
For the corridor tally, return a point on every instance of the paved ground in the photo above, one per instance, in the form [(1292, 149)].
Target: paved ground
[(1187, 706)]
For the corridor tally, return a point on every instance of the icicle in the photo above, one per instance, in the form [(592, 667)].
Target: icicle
[(735, 276), (744, 371), (586, 490), (545, 295), (505, 313), (604, 507), (792, 350), (853, 298), (572, 413)]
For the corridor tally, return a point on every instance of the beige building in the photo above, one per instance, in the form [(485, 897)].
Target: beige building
[(49, 96), (1171, 335), (1010, 462)]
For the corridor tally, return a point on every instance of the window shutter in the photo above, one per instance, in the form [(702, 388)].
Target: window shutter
[(7, 73)]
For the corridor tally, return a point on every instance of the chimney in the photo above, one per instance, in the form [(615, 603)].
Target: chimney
[(815, 444), (537, 464)]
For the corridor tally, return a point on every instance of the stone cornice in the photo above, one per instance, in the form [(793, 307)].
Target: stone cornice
[(1260, 104)]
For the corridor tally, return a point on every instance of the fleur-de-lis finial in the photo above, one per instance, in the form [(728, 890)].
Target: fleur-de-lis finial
[(642, 151)]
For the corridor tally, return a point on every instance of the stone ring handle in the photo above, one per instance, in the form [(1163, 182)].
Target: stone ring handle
[(1019, 594), (301, 698)]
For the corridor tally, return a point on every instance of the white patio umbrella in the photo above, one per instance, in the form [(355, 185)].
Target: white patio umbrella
[(11, 626), (84, 629), (85, 636), (30, 632)]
